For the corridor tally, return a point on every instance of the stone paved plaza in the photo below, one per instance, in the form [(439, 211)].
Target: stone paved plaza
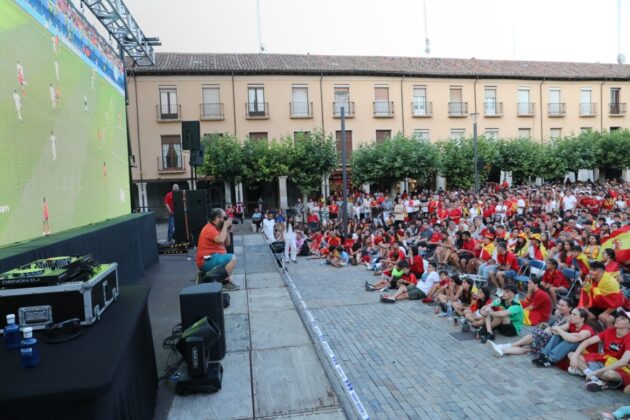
[(405, 362)]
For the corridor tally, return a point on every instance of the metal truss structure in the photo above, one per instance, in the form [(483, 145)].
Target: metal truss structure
[(117, 19)]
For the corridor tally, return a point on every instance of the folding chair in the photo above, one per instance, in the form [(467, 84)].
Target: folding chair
[(536, 268), (574, 278)]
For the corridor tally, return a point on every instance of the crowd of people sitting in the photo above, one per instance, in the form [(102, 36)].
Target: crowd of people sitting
[(552, 259)]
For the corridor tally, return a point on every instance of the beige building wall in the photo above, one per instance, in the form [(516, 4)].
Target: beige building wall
[(146, 129)]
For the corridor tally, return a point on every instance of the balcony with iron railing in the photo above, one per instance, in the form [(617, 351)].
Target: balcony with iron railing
[(421, 109), (170, 112), (171, 164), (383, 109), (588, 109), (525, 109), (348, 108), (493, 109), (617, 109), (211, 111), (257, 110), (301, 109), (556, 109), (458, 109)]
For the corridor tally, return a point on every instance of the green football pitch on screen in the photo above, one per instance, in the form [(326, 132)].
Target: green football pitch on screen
[(63, 141)]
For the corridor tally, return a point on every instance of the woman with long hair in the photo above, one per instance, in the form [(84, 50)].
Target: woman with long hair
[(591, 250), (289, 238)]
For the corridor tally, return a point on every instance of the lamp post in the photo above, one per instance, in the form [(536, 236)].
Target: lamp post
[(474, 116), (344, 171)]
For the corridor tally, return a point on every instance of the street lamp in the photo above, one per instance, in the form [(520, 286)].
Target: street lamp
[(474, 116)]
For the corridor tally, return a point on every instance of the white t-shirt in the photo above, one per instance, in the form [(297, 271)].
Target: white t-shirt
[(568, 202), (426, 284), (268, 225)]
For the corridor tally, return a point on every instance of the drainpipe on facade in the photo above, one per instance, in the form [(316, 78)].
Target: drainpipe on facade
[(402, 105), (541, 110), (321, 100), (234, 105), (601, 105), (475, 95)]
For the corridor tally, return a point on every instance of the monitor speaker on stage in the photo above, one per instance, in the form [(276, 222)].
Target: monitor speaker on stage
[(191, 214), (204, 300), (191, 134)]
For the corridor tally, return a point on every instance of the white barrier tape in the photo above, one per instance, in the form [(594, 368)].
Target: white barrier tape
[(328, 350)]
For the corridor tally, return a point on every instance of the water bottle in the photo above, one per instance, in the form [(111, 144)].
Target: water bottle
[(449, 310), (28, 349), (11, 334)]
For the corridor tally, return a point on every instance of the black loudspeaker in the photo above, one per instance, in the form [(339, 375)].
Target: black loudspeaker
[(191, 133), (202, 300), (191, 214)]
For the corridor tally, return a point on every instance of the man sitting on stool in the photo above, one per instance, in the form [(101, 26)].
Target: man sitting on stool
[(211, 253)]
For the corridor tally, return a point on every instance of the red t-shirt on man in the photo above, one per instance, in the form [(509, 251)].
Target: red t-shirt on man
[(207, 245), (555, 278), (508, 259), (168, 200), (613, 346)]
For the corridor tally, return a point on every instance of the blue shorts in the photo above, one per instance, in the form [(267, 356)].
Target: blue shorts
[(216, 260), (510, 274)]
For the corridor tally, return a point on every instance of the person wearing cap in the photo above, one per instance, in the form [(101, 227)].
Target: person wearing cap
[(536, 249), (601, 294), (487, 255), (611, 368), (504, 315)]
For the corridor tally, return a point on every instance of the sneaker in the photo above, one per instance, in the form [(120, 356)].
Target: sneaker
[(465, 326), (595, 385), (230, 287), (387, 300), (499, 292), (442, 314), (498, 348), (368, 287), (575, 371), (543, 361), (485, 338)]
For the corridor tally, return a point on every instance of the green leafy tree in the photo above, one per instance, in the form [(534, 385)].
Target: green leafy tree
[(312, 155), (519, 156), (223, 157), (581, 152), (394, 160), (265, 160), (614, 149), (457, 160)]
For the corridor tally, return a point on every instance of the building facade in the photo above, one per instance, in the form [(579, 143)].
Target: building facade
[(272, 96)]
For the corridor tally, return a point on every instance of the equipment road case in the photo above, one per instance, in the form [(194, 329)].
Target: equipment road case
[(86, 300)]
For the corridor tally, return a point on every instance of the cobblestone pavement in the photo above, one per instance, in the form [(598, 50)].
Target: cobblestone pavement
[(404, 362)]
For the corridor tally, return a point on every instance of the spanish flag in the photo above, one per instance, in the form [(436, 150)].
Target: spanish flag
[(603, 294), (619, 240)]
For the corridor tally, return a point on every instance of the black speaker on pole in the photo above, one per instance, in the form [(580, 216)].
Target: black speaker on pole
[(191, 214), (191, 134), (204, 300)]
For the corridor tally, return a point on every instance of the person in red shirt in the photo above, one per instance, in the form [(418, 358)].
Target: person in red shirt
[(168, 202), (537, 304), (609, 369), (553, 280), (211, 252), (406, 284), (455, 213), (507, 266), (416, 262), (467, 250), (333, 210)]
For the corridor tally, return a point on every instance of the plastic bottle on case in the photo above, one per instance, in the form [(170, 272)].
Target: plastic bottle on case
[(11, 334), (28, 349)]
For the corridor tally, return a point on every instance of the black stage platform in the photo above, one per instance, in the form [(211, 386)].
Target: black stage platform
[(129, 240)]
